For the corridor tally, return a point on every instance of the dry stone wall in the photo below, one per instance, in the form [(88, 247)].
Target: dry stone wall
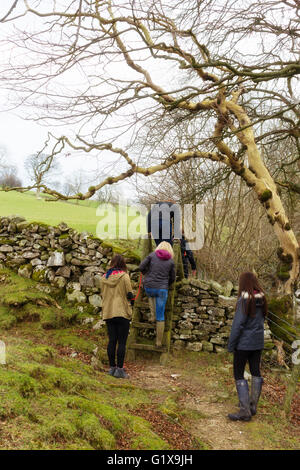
[(66, 263), (203, 317), (61, 260)]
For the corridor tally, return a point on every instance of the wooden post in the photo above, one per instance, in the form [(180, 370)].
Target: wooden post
[(163, 352), (170, 303), (136, 317)]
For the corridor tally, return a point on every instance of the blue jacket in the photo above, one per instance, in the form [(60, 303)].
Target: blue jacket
[(247, 333)]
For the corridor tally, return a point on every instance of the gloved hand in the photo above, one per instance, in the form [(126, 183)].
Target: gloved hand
[(130, 297)]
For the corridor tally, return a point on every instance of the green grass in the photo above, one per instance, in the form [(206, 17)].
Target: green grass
[(51, 401), (81, 216)]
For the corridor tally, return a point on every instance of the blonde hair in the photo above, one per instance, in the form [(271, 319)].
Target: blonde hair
[(165, 246)]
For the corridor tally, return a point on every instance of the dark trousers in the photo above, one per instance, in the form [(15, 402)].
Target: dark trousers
[(118, 329), (240, 359), (166, 229), (188, 257)]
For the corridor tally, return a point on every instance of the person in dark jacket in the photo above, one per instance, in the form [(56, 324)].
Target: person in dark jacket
[(159, 273), (164, 221), (246, 341), (187, 257)]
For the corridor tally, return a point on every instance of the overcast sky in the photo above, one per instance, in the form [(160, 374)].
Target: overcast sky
[(22, 137)]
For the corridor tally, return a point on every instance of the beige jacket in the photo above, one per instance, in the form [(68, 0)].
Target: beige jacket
[(114, 292)]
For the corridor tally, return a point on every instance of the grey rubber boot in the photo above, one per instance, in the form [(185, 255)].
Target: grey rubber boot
[(111, 370), (152, 304), (120, 373), (160, 328), (256, 386), (244, 414)]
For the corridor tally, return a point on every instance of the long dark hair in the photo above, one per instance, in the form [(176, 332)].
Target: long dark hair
[(249, 283), (118, 263)]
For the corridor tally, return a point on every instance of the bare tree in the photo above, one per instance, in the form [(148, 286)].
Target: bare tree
[(108, 195), (236, 235), (230, 68), (40, 169), (8, 172), (9, 179), (74, 184)]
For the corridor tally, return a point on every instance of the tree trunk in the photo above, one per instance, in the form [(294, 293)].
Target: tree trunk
[(38, 193), (258, 176)]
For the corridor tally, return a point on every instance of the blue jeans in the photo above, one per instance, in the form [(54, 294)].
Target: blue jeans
[(161, 297)]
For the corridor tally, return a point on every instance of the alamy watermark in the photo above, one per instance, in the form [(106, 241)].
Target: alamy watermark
[(2, 353), (127, 221)]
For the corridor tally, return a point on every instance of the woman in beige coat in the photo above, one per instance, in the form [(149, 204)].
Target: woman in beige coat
[(117, 295)]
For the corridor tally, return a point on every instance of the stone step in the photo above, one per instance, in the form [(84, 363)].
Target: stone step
[(147, 347), (137, 324)]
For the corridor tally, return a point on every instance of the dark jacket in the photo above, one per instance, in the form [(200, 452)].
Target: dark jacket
[(161, 218), (158, 269), (187, 254), (247, 332)]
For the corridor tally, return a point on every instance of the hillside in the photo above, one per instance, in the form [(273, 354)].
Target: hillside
[(82, 216), (53, 398)]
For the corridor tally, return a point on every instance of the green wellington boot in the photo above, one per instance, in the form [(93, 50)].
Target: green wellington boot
[(160, 328)]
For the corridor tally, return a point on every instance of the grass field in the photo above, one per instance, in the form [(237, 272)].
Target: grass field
[(82, 216), (77, 216)]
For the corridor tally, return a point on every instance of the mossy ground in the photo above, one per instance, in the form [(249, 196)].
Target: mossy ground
[(52, 398)]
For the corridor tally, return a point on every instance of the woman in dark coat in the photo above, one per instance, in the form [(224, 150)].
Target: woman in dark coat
[(159, 273), (247, 342)]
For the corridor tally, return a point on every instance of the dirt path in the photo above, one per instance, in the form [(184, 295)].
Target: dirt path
[(210, 422)]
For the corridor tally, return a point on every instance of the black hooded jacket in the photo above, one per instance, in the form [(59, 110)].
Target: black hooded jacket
[(247, 332)]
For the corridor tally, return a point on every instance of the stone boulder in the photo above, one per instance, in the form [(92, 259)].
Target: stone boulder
[(64, 271), (194, 346), (57, 258), (25, 271), (95, 300), (228, 287), (87, 280), (77, 297), (6, 249)]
